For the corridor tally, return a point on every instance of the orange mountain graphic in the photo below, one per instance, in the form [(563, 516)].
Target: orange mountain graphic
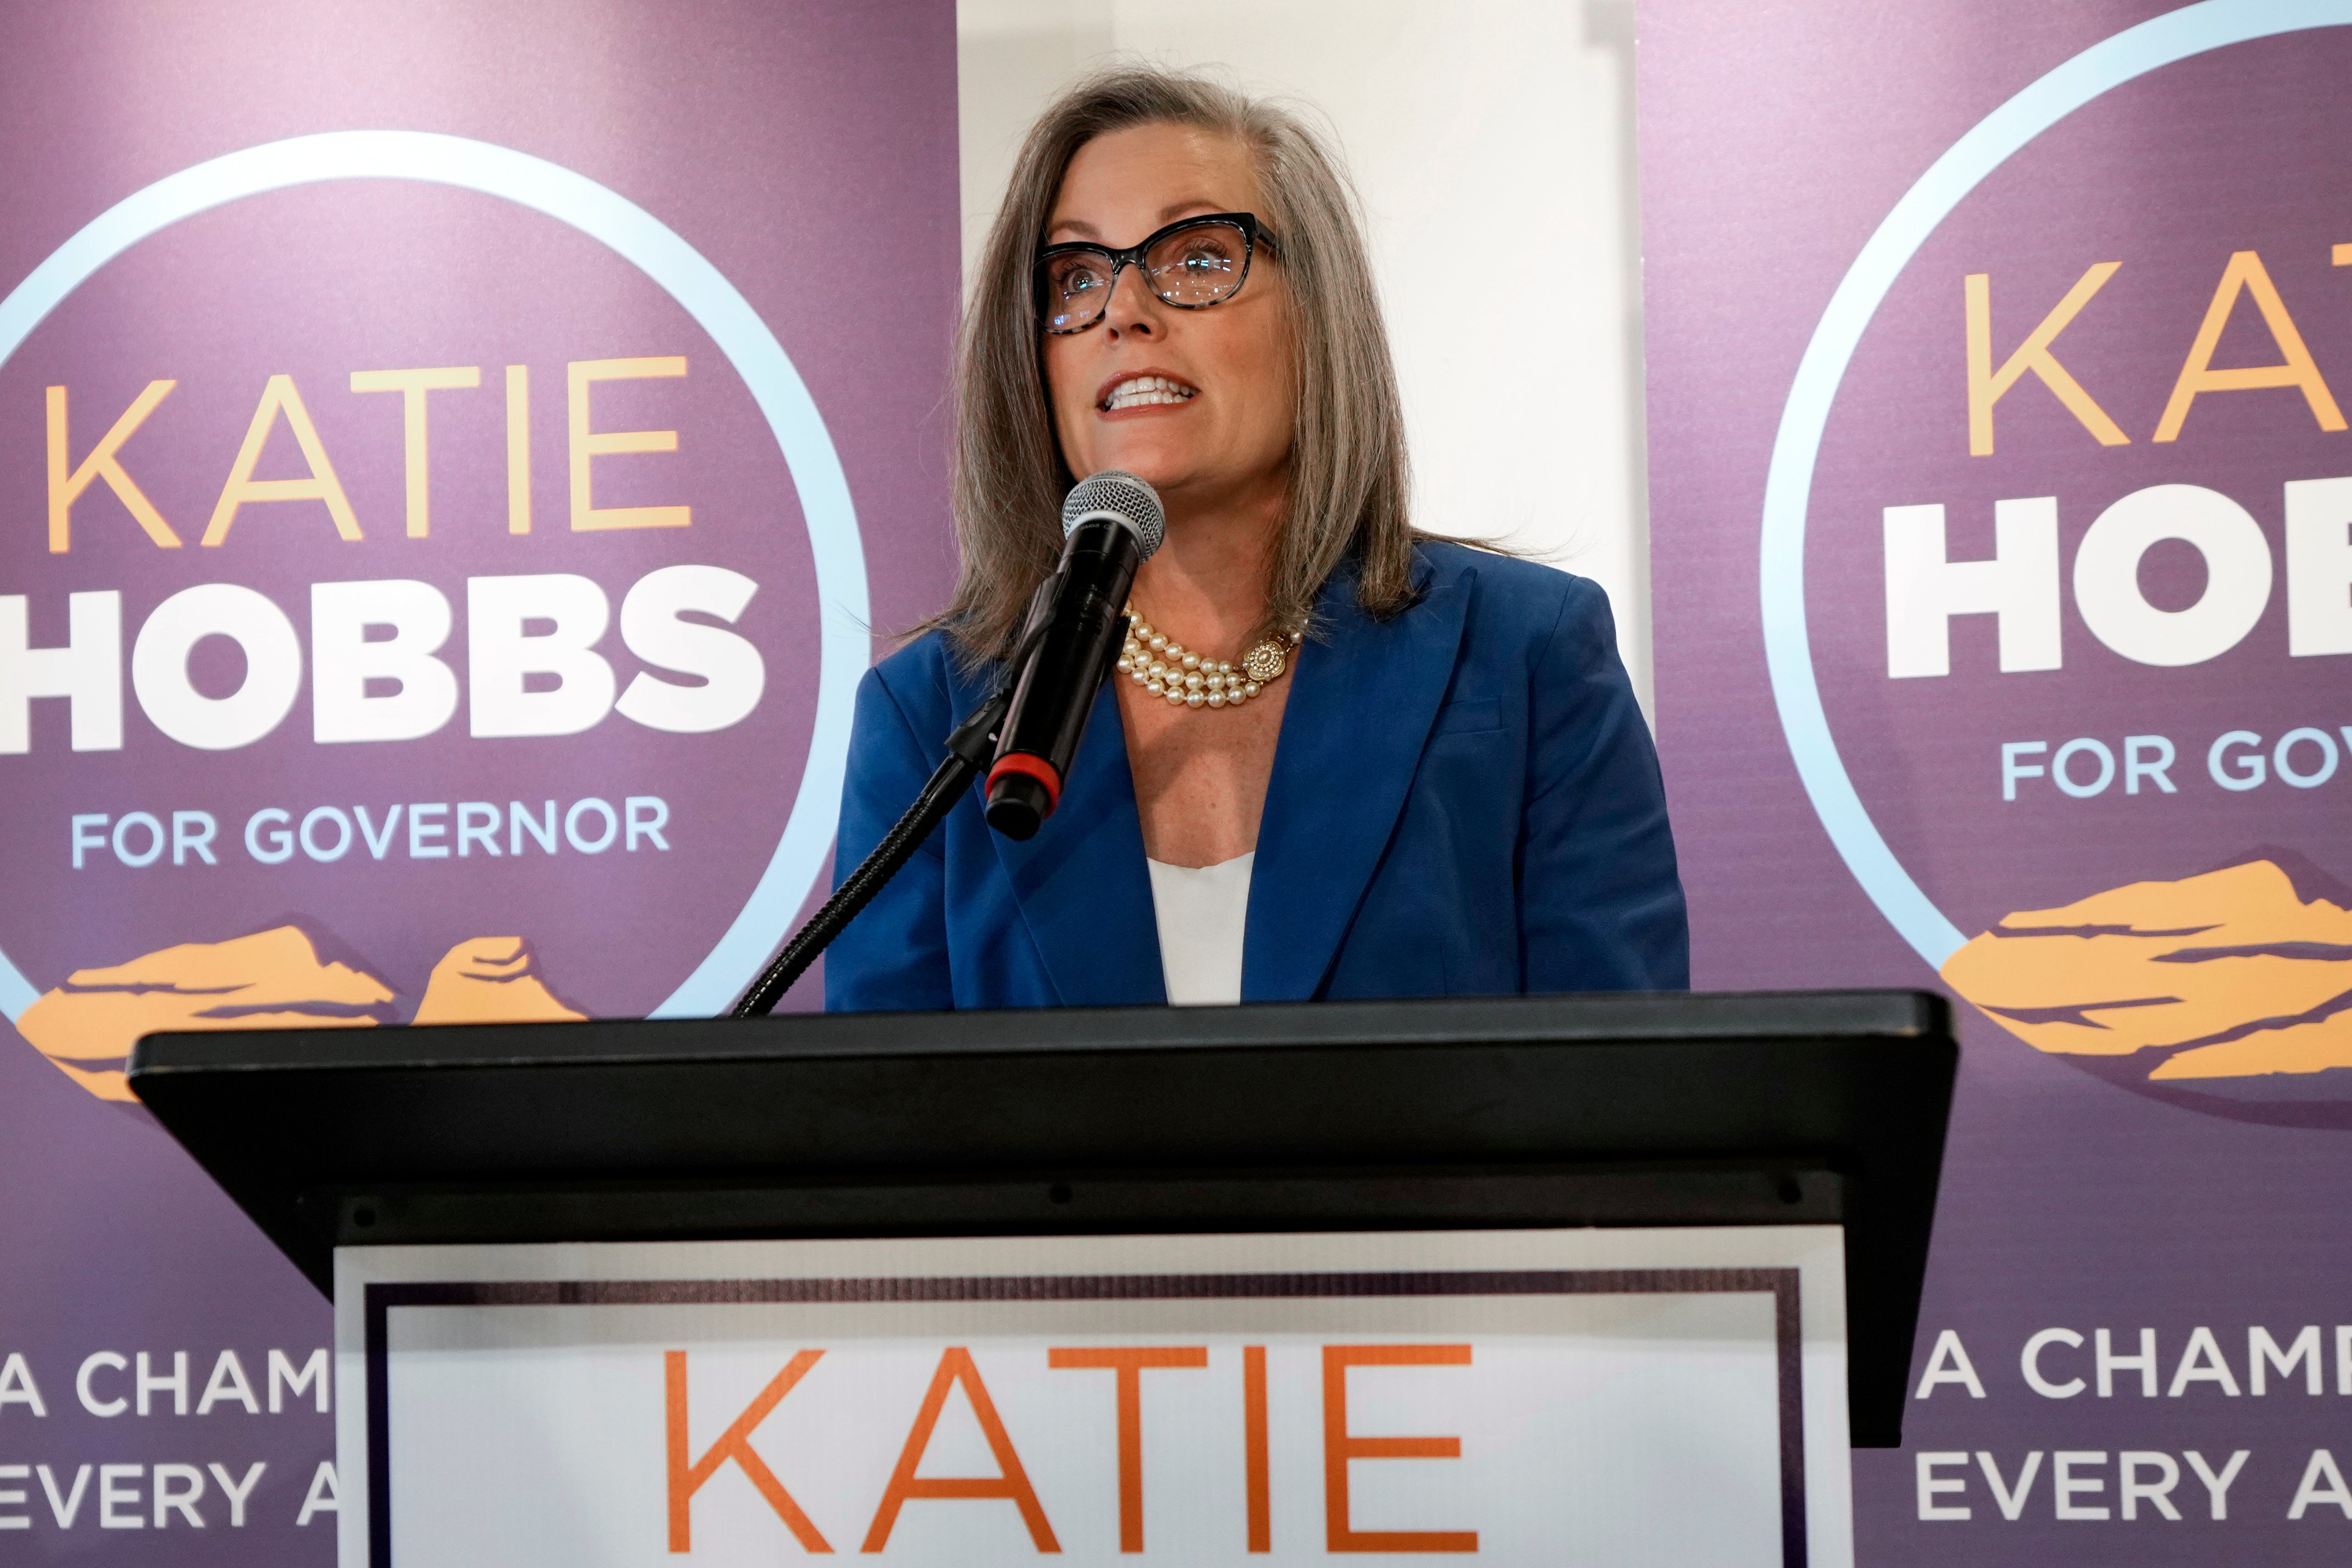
[(2229, 975), (271, 979)]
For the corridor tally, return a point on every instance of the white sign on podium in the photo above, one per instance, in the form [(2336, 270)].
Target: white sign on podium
[(1634, 1397)]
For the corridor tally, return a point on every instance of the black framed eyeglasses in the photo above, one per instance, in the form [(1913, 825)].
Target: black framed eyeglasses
[(1192, 264)]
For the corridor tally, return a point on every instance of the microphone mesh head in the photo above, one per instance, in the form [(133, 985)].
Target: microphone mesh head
[(1115, 493)]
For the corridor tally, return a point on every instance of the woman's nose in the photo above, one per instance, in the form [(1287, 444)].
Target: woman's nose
[(1133, 307)]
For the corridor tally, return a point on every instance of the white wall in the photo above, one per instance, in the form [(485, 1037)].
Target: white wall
[(1492, 143)]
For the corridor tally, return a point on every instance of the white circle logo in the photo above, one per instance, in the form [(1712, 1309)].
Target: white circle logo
[(1787, 487), (715, 304)]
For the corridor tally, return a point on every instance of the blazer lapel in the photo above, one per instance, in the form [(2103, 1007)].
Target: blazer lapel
[(1359, 717), (1081, 882)]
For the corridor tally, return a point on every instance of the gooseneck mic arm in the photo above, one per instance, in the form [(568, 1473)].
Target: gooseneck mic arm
[(968, 749)]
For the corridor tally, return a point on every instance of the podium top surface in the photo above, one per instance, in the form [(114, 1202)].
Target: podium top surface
[(1612, 1017), (1612, 1109)]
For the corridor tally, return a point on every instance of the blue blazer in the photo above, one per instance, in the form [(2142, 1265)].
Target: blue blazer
[(1464, 802)]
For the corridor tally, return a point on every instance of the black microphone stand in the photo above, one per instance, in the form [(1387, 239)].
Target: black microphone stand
[(968, 756), (969, 750)]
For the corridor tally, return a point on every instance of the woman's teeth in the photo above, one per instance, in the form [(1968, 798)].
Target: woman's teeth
[(1143, 391)]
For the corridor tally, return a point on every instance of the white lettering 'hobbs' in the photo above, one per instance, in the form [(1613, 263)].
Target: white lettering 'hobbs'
[(517, 628)]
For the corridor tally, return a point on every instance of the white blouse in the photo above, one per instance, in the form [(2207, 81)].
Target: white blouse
[(1201, 914)]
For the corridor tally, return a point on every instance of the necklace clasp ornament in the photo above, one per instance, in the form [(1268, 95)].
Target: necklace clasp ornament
[(1166, 668)]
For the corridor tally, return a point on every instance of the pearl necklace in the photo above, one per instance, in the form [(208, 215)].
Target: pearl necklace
[(1166, 668)]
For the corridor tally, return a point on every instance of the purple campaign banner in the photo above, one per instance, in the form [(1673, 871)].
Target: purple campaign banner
[(458, 461), (2001, 491)]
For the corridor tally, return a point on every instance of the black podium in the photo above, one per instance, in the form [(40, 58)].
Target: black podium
[(1488, 1115)]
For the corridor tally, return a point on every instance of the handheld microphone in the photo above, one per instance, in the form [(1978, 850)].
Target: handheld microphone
[(1112, 524)]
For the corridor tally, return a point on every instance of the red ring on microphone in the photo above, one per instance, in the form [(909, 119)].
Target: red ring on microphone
[(1030, 766)]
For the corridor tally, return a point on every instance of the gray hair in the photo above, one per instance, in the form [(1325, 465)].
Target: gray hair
[(1349, 486)]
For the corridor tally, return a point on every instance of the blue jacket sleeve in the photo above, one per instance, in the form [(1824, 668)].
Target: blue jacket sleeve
[(893, 956), (1601, 898)]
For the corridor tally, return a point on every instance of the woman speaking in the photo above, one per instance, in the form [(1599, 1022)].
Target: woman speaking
[(1339, 758)]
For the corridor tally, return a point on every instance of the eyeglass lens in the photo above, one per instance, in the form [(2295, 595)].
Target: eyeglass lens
[(1191, 267)]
